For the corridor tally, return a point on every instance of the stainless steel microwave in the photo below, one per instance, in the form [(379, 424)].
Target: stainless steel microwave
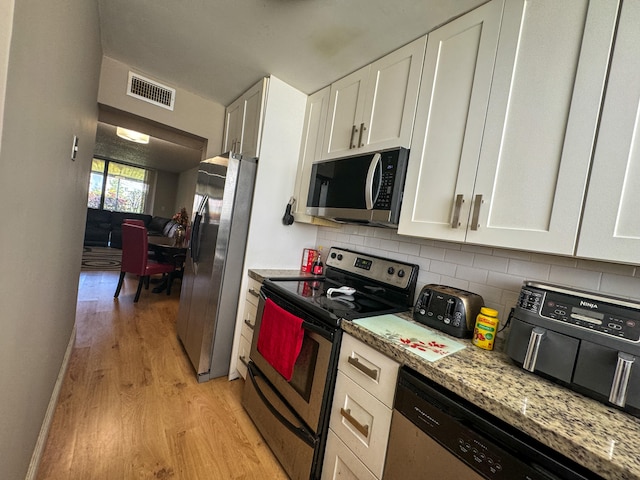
[(363, 189)]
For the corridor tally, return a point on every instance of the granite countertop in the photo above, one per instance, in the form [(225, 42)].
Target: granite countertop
[(603, 439), (261, 274)]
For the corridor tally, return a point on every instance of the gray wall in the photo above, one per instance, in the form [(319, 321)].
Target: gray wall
[(50, 96), (165, 194), (187, 190)]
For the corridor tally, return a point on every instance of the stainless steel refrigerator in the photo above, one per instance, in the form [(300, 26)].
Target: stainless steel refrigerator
[(214, 263)]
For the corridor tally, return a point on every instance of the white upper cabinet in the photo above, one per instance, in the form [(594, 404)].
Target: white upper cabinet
[(513, 169), (233, 126), (243, 122), (310, 148), (611, 223), (452, 106), (374, 107)]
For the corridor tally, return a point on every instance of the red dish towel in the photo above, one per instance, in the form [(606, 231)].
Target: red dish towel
[(280, 338)]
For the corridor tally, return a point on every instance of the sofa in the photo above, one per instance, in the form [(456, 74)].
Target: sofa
[(104, 227)]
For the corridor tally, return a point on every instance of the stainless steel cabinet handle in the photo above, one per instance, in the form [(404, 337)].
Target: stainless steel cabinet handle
[(369, 196), (363, 429), (249, 324), (455, 221), (369, 372), (244, 361), (362, 128), (254, 292), (476, 212), (353, 132), (531, 356), (618, 393)]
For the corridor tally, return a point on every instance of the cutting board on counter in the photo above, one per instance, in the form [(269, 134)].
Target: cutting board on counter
[(419, 340)]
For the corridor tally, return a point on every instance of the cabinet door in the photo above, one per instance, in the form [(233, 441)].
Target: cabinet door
[(244, 349), (248, 325), (362, 422), (252, 122), (452, 105), (611, 224), (341, 464), (370, 369), (310, 149), (541, 123), (233, 126), (391, 99), (345, 114)]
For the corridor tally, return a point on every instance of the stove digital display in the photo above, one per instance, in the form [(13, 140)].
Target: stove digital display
[(363, 263)]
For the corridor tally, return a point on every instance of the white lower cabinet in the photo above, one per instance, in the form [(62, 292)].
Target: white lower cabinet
[(244, 348), (360, 413), (340, 462), (249, 321)]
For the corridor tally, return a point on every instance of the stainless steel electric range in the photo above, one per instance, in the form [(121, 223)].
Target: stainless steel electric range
[(293, 415)]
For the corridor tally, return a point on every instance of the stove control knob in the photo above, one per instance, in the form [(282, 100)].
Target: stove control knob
[(401, 273), (333, 255), (339, 256), (391, 270)]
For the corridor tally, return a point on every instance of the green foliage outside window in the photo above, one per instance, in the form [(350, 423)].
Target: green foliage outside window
[(125, 189)]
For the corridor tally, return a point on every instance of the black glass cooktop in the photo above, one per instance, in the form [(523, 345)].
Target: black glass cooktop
[(365, 302)]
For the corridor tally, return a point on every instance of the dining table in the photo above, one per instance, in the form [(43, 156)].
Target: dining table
[(168, 250)]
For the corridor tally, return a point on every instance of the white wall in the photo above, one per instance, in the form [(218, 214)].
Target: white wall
[(192, 113), (496, 274), (51, 90)]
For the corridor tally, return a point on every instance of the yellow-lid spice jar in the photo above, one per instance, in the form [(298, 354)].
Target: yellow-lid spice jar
[(484, 333)]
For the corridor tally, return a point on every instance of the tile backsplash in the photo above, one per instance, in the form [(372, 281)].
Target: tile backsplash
[(496, 274)]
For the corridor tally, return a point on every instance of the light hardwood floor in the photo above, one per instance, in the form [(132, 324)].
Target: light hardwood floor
[(130, 407)]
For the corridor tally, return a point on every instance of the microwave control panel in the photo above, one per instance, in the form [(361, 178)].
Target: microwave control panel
[(605, 315), (385, 195)]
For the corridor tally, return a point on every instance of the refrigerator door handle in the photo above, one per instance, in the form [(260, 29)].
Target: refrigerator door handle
[(195, 230)]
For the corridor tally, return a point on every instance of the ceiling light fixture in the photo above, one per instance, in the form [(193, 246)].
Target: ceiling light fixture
[(132, 135)]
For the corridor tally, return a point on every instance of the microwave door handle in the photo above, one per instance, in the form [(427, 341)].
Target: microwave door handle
[(369, 197)]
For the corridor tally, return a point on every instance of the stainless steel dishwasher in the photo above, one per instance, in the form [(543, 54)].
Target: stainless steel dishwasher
[(435, 434)]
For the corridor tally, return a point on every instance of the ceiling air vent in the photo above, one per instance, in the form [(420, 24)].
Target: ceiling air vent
[(150, 91)]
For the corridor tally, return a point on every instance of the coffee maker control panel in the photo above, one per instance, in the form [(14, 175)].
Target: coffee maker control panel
[(602, 314)]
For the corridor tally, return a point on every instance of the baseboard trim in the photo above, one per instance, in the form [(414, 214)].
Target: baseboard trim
[(51, 408)]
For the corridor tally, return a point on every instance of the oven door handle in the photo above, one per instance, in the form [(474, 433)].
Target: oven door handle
[(306, 324), (301, 432)]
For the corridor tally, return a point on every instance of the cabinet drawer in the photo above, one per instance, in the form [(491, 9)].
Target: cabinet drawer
[(372, 370), (362, 422), (244, 348), (253, 291), (248, 319), (340, 462)]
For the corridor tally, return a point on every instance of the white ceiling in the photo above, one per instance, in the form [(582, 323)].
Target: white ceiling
[(219, 48)]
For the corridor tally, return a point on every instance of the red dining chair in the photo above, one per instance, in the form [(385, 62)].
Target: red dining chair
[(135, 247), (134, 221)]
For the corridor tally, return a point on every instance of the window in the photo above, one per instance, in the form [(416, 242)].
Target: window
[(118, 187)]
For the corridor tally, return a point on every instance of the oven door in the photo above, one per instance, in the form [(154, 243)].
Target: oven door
[(305, 392)]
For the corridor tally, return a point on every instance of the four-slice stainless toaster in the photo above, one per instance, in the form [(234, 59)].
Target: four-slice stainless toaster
[(448, 309)]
